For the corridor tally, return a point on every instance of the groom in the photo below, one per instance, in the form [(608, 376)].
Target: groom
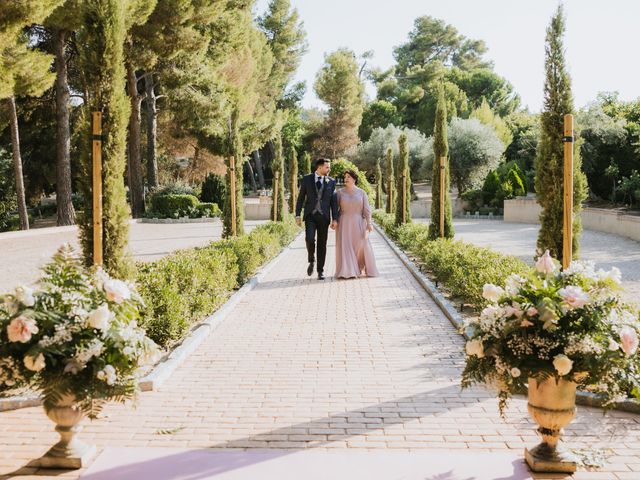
[(318, 195)]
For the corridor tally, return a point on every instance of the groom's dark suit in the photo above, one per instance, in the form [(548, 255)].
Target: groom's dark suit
[(317, 214)]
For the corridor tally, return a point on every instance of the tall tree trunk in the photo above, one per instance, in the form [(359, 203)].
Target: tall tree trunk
[(66, 213), (259, 168), (253, 177), (17, 165), (136, 183), (152, 132)]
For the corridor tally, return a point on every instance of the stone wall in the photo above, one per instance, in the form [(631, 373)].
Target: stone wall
[(526, 210)]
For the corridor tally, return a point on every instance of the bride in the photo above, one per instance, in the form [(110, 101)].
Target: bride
[(354, 254)]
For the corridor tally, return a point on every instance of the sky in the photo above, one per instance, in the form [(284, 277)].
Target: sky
[(601, 39)]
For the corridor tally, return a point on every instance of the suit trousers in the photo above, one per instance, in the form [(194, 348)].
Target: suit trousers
[(316, 223)]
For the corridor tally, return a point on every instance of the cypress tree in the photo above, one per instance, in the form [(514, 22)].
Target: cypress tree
[(306, 163), (278, 167), (293, 179), (390, 183), (103, 66), (440, 149), (403, 181), (558, 101), (378, 185)]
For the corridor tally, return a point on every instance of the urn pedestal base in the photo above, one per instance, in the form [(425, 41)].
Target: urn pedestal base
[(69, 452), (543, 458), (552, 405), (73, 457)]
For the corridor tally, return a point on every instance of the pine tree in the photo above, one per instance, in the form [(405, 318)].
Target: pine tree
[(403, 182), (440, 149), (340, 87), (390, 183), (61, 25), (233, 151), (378, 185), (102, 58), (278, 180), (549, 163), (24, 72), (293, 179)]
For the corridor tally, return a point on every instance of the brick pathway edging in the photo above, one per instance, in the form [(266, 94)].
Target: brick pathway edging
[(582, 398), (163, 370)]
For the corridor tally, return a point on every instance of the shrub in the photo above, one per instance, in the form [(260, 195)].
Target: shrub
[(176, 188), (174, 206), (462, 268), (183, 288), (474, 199), (515, 179), (213, 189), (209, 210)]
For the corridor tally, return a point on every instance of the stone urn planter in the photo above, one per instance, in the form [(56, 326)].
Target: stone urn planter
[(69, 452), (552, 405)]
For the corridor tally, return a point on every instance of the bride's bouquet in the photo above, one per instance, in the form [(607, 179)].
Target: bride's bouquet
[(75, 335), (568, 324)]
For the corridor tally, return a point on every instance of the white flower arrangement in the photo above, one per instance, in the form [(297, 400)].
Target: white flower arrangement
[(568, 324), (75, 334)]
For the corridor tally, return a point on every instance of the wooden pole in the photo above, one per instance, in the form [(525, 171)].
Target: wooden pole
[(97, 188), (232, 180), (442, 187), (567, 248), (276, 188)]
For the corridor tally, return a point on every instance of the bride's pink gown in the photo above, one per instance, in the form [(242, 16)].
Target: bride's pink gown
[(354, 255)]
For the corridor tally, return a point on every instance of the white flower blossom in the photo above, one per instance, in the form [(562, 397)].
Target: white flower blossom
[(24, 295), (474, 347), (108, 374), (546, 264), (562, 364), (492, 292), (614, 275), (99, 318), (117, 291), (34, 364)]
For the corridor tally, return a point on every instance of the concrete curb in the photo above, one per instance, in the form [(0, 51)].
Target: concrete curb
[(172, 221), (582, 398), (163, 370)]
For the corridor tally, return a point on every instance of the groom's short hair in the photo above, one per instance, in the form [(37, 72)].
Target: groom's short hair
[(322, 161)]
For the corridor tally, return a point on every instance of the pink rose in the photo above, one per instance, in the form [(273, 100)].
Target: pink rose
[(21, 328), (526, 323), (629, 340), (545, 263), (532, 311), (574, 297)]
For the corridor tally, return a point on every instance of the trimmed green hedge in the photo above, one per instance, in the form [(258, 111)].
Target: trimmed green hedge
[(461, 267), (174, 206), (210, 210), (185, 287)]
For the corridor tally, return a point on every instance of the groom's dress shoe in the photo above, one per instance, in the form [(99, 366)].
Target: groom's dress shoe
[(320, 276), (310, 269)]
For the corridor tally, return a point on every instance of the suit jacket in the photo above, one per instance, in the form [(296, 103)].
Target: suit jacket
[(308, 196)]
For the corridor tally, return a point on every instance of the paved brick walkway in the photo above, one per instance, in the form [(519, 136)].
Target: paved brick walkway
[(352, 364)]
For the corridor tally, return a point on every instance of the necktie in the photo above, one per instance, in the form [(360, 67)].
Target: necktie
[(319, 183)]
